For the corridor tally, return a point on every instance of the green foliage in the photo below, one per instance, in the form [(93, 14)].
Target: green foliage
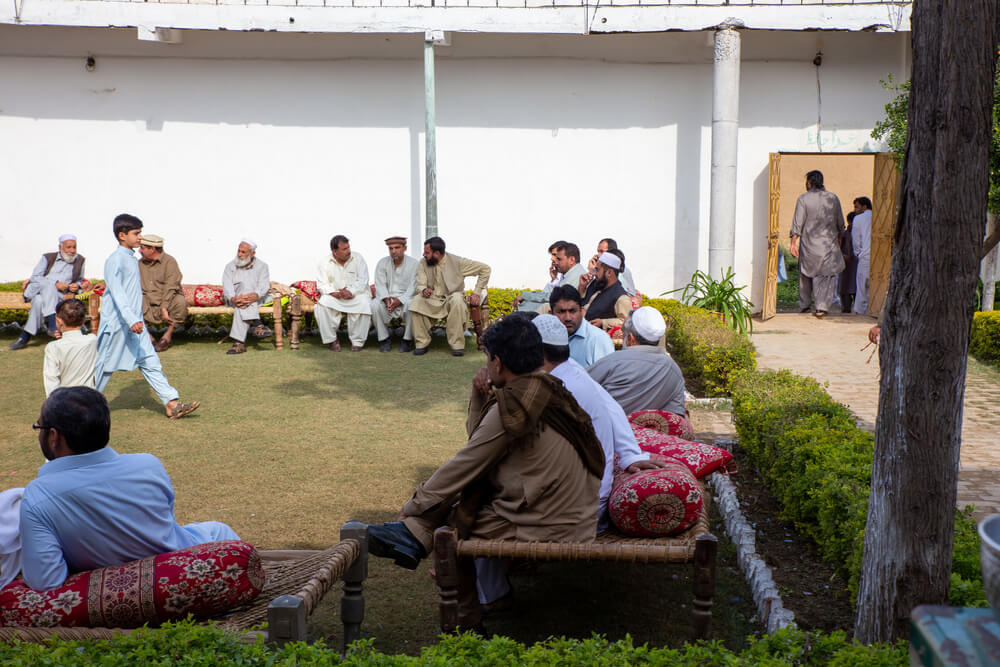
[(708, 352), (501, 301), (985, 341), (190, 644), (719, 296), (788, 290)]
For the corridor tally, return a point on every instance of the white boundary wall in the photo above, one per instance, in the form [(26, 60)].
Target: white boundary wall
[(290, 139)]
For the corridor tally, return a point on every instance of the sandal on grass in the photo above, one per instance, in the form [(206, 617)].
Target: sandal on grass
[(183, 409), (237, 348), (262, 331)]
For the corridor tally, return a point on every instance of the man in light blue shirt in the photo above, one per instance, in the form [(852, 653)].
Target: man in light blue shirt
[(91, 507), (587, 343)]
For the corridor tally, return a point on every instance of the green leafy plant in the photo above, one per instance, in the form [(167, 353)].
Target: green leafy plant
[(985, 341), (719, 296)]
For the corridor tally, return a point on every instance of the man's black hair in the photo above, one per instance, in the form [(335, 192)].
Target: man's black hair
[(572, 250), (814, 180), (564, 293), (125, 223), (555, 354), (864, 201), (436, 244), (850, 216), (337, 240), (612, 244), (517, 343), (71, 311), (81, 415), (558, 245)]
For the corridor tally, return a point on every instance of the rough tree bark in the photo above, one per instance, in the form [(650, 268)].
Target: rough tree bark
[(928, 314)]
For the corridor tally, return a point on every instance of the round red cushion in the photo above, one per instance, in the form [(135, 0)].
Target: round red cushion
[(664, 422), (655, 503)]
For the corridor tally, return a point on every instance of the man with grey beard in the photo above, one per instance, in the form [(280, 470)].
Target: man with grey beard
[(245, 284), (56, 276)]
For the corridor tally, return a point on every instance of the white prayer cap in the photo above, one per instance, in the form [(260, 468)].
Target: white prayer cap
[(610, 260), (648, 323), (249, 242), (66, 237), (552, 330)]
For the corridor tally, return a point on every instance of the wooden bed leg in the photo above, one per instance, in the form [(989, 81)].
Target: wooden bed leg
[(279, 341), (446, 572), (705, 548), (352, 604), (286, 620), (296, 320), (94, 306)]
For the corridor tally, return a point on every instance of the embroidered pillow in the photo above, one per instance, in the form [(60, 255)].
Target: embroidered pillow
[(203, 295), (664, 422), (203, 580), (702, 459), (308, 287), (655, 503)]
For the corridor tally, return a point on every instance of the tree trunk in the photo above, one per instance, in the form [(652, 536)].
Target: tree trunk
[(928, 314)]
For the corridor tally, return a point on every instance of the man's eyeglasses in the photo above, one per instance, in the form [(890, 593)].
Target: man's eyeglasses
[(38, 426)]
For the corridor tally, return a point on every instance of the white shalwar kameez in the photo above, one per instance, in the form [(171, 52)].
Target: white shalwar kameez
[(395, 281), (331, 276)]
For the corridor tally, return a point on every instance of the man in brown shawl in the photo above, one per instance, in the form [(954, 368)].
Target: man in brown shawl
[(530, 471)]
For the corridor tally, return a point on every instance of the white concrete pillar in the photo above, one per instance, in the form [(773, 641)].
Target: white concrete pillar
[(989, 268), (725, 140)]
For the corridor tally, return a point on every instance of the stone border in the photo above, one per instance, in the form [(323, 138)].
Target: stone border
[(771, 609)]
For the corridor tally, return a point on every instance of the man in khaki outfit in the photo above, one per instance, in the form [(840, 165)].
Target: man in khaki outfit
[(530, 471), (162, 297), (441, 295)]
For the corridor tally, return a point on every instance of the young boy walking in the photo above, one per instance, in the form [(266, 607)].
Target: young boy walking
[(121, 343), (70, 360)]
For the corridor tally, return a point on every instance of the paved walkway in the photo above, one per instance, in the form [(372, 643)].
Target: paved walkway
[(830, 351)]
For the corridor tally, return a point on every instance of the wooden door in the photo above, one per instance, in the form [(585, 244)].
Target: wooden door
[(770, 305), (885, 190)]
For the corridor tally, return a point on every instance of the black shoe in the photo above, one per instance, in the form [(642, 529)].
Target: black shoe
[(420, 350), (385, 345), (406, 346), (394, 540), (805, 310), (19, 344), (458, 353)]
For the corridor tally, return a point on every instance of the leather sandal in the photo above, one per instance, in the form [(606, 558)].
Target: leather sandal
[(262, 331), (182, 409), (237, 348)]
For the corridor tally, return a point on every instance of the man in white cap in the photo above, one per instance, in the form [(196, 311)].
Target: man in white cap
[(395, 284), (342, 282), (606, 245), (57, 275), (245, 284), (642, 376), (162, 297), (605, 302)]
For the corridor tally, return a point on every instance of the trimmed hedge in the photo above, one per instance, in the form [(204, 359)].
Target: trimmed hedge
[(818, 463), (186, 643), (709, 353), (985, 341)]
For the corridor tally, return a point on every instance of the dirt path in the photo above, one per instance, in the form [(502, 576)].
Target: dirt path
[(829, 350)]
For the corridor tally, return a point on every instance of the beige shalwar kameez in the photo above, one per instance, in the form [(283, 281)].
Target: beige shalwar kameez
[(447, 281)]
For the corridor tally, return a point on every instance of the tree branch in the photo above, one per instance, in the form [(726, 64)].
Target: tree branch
[(991, 242)]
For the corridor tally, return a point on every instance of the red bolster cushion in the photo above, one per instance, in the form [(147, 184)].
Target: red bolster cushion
[(308, 287), (700, 458), (664, 422), (655, 503), (203, 580)]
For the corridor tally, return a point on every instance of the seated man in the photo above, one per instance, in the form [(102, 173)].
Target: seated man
[(342, 281), (245, 284), (642, 376), (395, 285), (56, 276), (441, 295), (587, 343), (162, 297), (607, 245), (565, 270), (605, 303), (71, 360), (530, 471), (91, 507)]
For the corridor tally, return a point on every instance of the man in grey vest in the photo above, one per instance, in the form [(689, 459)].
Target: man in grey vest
[(57, 275), (816, 228)]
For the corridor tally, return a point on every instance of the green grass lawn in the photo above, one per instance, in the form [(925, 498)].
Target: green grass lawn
[(289, 445)]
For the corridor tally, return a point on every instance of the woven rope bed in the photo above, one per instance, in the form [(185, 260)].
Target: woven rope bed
[(696, 545), (295, 583)]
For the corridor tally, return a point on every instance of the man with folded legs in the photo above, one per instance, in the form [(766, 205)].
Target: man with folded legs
[(56, 276), (395, 284), (530, 470), (342, 281), (162, 296), (245, 285)]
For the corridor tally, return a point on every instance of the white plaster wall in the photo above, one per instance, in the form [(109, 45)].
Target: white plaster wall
[(539, 138)]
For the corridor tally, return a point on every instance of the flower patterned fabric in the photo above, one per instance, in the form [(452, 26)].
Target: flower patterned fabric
[(700, 458), (664, 422), (655, 503), (203, 295), (308, 287), (203, 580)]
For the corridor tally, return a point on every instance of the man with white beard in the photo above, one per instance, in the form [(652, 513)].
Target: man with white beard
[(245, 284), (57, 275)]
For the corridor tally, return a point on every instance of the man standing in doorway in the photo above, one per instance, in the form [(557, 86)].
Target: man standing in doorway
[(861, 237), (816, 227)]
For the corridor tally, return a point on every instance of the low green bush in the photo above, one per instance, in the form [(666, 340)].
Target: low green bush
[(818, 464), (985, 341), (501, 301), (709, 353), (189, 644)]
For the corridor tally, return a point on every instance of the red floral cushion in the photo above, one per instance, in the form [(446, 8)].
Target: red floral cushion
[(203, 580), (203, 295), (700, 458), (664, 422), (655, 503), (308, 287), (637, 301), (99, 288)]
